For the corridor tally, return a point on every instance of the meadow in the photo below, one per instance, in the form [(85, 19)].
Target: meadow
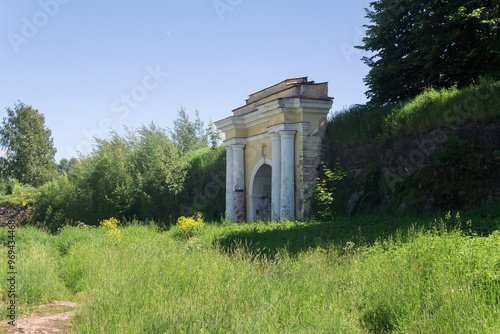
[(368, 274)]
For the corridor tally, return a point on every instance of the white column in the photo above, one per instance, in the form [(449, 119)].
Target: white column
[(229, 182), (276, 177), (287, 175), (238, 183)]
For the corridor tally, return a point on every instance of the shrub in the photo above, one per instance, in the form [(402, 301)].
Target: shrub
[(323, 192), (204, 185), (56, 202)]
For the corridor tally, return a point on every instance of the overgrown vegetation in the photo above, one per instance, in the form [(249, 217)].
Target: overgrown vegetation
[(267, 277), (14, 193), (323, 193), (125, 176), (139, 175), (432, 109), (204, 187)]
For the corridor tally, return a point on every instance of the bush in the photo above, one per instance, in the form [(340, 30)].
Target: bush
[(204, 186), (56, 201)]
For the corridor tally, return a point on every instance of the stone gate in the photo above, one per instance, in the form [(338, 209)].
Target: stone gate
[(273, 146)]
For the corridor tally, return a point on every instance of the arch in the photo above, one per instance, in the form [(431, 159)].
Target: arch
[(260, 190)]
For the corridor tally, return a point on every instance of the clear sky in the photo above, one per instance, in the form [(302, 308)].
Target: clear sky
[(90, 65)]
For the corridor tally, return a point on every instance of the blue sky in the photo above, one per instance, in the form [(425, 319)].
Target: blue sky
[(91, 66)]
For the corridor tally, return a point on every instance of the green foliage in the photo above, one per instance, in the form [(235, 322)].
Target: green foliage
[(66, 165), (29, 146), (204, 185), (9, 187), (140, 175), (431, 109), (214, 135), (188, 135), (419, 44), (4, 169), (323, 192), (56, 203), (137, 174)]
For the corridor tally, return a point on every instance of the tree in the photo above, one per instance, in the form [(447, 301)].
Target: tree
[(66, 165), (188, 135), (214, 134), (438, 43), (29, 146)]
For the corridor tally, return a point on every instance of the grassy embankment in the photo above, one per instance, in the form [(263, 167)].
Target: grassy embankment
[(347, 276), (21, 195), (433, 109)]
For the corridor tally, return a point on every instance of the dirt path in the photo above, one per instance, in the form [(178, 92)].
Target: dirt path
[(46, 319)]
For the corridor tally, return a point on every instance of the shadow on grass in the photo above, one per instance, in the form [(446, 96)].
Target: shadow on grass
[(269, 239)]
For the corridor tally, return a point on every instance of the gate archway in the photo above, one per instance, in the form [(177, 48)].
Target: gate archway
[(260, 192)]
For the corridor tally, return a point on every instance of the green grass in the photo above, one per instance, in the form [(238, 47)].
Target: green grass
[(21, 195), (422, 276), (357, 124), (38, 271), (432, 109)]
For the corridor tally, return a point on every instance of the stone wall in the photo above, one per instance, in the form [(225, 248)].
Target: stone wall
[(441, 169)]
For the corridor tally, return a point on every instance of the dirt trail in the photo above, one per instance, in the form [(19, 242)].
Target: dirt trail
[(46, 319)]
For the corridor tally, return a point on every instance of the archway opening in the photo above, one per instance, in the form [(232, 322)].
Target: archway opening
[(261, 194)]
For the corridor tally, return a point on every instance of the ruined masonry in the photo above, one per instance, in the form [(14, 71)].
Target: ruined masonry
[(273, 148)]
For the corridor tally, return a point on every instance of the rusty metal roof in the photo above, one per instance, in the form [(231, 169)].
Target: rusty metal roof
[(295, 87)]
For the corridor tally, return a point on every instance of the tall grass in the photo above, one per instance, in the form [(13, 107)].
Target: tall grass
[(38, 268), (445, 108), (357, 124), (417, 280), (431, 109)]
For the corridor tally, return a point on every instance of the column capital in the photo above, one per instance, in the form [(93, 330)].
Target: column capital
[(274, 135), (238, 146), (287, 134)]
